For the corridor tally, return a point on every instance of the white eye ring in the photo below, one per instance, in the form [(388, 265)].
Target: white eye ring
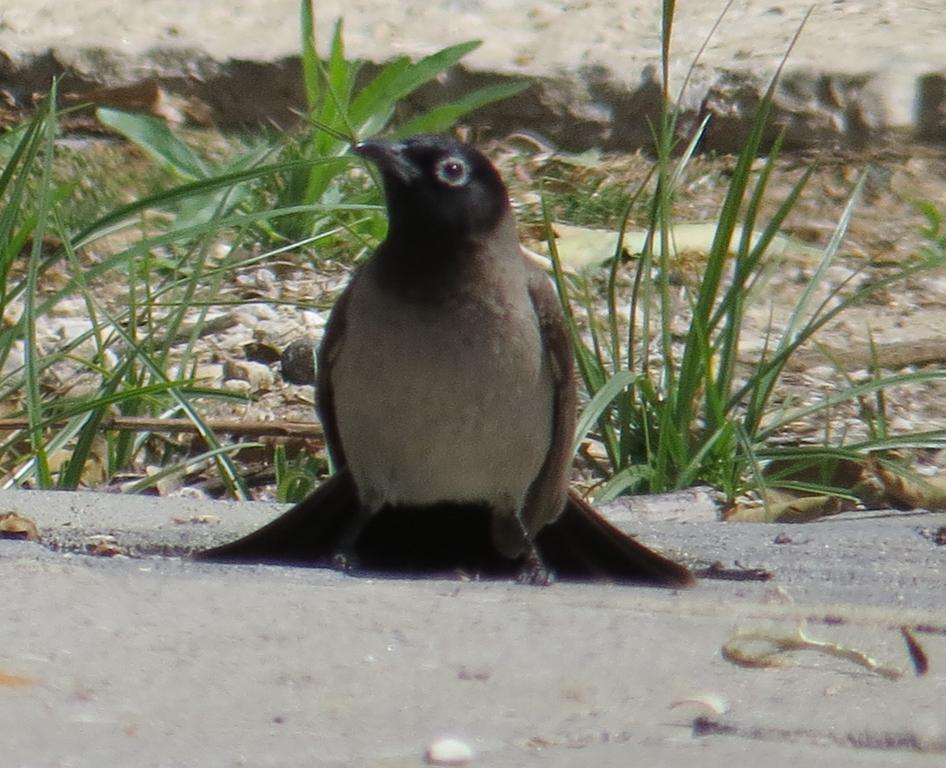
[(453, 171)]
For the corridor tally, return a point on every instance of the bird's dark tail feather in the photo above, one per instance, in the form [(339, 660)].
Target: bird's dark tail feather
[(581, 545), (307, 534)]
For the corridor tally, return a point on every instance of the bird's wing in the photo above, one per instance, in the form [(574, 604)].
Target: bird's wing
[(547, 493), (572, 538), (325, 397)]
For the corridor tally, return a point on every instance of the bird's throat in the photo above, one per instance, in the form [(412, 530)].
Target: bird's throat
[(428, 270)]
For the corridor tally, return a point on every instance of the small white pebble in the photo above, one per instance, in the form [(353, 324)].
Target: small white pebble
[(449, 752), (264, 312), (220, 251), (237, 386), (313, 319), (900, 424), (258, 375), (819, 373), (265, 279), (712, 703)]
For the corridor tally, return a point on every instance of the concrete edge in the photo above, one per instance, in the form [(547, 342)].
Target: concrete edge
[(574, 110)]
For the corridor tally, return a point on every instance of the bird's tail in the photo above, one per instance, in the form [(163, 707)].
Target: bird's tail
[(308, 534), (581, 545)]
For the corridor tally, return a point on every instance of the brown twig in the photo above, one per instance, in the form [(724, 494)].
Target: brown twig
[(300, 429)]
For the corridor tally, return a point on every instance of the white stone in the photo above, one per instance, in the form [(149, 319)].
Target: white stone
[(449, 751)]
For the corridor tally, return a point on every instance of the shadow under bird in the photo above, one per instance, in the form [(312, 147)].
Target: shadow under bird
[(446, 390)]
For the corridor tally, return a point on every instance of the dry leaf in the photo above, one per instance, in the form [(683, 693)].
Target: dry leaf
[(763, 648), (138, 97), (801, 509), (94, 471), (912, 492), (13, 681), (149, 97), (583, 247), (197, 520), (105, 549), (921, 662), (15, 526)]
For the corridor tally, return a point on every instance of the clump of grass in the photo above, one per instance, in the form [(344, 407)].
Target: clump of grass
[(123, 359), (584, 191), (672, 412)]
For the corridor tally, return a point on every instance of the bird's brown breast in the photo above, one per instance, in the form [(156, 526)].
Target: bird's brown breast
[(445, 403)]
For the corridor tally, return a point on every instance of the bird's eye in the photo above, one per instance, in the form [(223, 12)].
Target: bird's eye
[(452, 171)]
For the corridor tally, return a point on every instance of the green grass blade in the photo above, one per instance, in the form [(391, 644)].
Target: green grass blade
[(310, 57), (598, 405), (166, 198), (13, 185), (627, 479), (373, 106), (846, 395), (154, 137), (797, 318), (731, 308), (88, 429), (156, 372), (444, 116), (428, 68), (588, 366), (34, 401), (668, 9)]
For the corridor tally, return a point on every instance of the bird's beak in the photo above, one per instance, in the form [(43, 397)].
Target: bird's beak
[(390, 158)]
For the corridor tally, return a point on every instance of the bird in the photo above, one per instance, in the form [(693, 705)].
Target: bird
[(446, 390)]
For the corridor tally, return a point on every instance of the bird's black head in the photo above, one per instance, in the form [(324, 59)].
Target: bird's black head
[(438, 188)]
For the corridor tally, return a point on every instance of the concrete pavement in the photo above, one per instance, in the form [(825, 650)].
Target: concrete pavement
[(158, 661)]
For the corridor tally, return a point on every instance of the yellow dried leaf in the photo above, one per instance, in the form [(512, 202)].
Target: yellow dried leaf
[(582, 247), (15, 526), (13, 681), (912, 492), (800, 509)]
